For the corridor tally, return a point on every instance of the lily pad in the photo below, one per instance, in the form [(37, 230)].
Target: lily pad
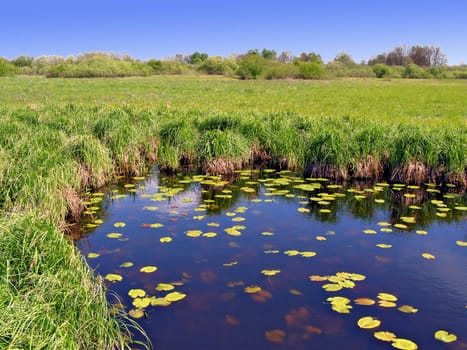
[(119, 224), (136, 293), (175, 296), (148, 269), (252, 289), (164, 287), (404, 344), (113, 277), (126, 264), (270, 272), (408, 309), (114, 235), (368, 322), (445, 337), (387, 297), (93, 255), (428, 256), (165, 239), (385, 336), (136, 313)]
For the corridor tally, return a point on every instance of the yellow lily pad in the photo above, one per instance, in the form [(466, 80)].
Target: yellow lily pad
[(141, 303), (291, 252), (148, 269), (252, 289), (384, 223), (408, 309), (387, 297), (266, 233), (160, 302), (114, 235), (461, 243), (119, 224), (385, 303), (324, 211), (401, 226), (308, 254), (332, 287), (404, 344), (384, 246), (126, 264), (93, 255), (421, 232), (175, 296), (165, 239), (385, 229), (136, 313), (461, 208), (164, 287), (150, 207), (385, 336), (193, 233), (379, 200), (113, 277), (428, 256), (368, 322), (320, 238), (444, 336), (270, 272), (369, 232), (210, 234), (136, 293)]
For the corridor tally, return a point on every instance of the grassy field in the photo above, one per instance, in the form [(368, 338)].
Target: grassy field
[(62, 137)]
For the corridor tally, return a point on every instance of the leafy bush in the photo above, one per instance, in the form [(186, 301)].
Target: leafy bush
[(218, 65), (6, 68), (251, 66), (311, 70), (278, 70), (412, 71), (380, 70)]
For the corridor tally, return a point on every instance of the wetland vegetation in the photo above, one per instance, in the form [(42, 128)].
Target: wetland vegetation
[(62, 138)]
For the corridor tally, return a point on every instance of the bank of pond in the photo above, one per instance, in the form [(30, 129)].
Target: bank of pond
[(270, 259)]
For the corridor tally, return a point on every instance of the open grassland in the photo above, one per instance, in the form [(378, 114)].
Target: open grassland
[(62, 137)]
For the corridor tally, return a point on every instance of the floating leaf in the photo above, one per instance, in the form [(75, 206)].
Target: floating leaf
[(308, 254), (193, 233), (266, 233), (148, 269), (421, 232), (210, 234), (175, 296), (238, 219), (385, 229), (141, 303), (461, 208), (408, 309), (136, 313), (295, 292), (384, 223), (126, 264), (461, 243), (160, 302), (303, 210), (368, 322), (387, 297), (164, 287), (428, 256), (317, 278), (369, 232), (324, 211), (150, 207), (165, 239), (444, 336), (252, 289), (385, 336), (385, 303), (93, 255), (332, 287), (114, 235), (275, 336), (404, 344), (379, 200), (291, 252), (156, 225), (213, 224), (135, 293), (401, 226), (383, 245), (119, 224), (270, 272), (113, 277), (364, 301)]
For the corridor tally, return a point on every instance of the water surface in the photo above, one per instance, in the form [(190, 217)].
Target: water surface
[(278, 218)]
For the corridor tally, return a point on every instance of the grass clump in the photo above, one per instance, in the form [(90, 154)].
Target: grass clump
[(45, 304)]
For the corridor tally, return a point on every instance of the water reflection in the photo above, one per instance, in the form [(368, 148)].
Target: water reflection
[(303, 215)]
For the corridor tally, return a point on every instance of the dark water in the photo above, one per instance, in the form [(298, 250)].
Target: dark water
[(213, 272)]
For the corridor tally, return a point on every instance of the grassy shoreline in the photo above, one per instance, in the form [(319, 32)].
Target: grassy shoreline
[(60, 138)]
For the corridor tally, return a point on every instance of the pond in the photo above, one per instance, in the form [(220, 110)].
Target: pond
[(270, 260)]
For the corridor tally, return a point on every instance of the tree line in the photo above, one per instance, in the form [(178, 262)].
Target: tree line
[(401, 62)]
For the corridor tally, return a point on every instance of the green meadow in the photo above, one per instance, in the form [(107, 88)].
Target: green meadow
[(62, 138)]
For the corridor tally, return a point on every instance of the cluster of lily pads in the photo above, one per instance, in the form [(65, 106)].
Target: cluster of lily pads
[(310, 193)]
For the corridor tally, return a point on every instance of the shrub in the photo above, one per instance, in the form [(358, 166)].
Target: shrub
[(278, 70), (218, 65), (251, 66), (6, 68), (412, 71), (311, 70), (381, 70)]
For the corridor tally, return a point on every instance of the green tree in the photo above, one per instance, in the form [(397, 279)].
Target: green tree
[(251, 66), (197, 57), (269, 54)]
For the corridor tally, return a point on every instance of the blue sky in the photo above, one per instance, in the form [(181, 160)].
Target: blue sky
[(158, 29)]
